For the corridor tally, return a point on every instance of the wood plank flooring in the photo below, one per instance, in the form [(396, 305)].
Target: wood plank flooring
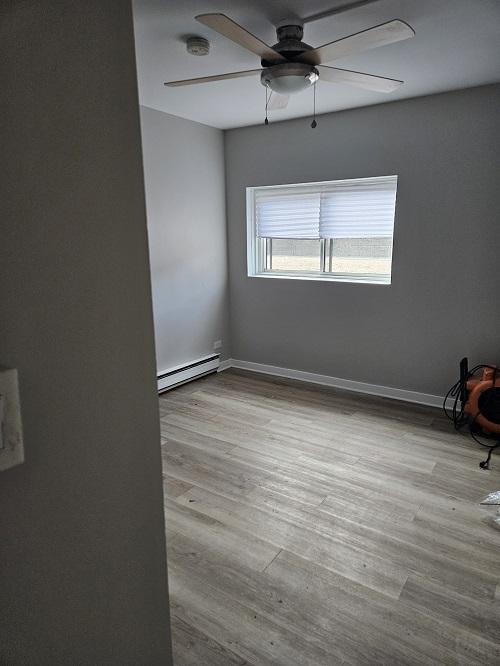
[(309, 526)]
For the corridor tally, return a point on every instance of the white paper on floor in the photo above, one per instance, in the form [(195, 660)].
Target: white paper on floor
[(491, 509)]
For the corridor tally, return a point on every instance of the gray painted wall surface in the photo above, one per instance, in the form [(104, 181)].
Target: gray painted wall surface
[(82, 552), (444, 299), (184, 176)]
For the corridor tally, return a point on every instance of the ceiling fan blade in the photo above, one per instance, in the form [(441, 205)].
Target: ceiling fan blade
[(215, 77), (236, 33), (278, 101), (338, 10), (358, 79), (380, 35)]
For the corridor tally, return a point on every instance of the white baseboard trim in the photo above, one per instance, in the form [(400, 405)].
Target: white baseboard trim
[(226, 364), (336, 382)]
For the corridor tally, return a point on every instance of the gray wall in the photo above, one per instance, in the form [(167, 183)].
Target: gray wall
[(82, 553), (184, 176), (444, 299)]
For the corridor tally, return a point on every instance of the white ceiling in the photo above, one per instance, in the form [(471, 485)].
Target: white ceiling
[(457, 45)]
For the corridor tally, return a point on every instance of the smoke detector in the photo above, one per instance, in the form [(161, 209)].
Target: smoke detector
[(198, 46)]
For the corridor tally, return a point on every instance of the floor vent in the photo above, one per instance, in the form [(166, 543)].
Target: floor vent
[(169, 379)]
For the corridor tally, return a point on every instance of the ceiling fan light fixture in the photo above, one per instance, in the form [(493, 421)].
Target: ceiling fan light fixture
[(289, 78)]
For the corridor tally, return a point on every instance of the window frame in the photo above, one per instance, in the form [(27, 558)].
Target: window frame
[(258, 248)]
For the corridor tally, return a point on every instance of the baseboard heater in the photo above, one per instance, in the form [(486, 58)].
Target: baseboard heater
[(180, 374)]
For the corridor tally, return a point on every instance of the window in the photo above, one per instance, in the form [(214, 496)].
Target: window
[(336, 230)]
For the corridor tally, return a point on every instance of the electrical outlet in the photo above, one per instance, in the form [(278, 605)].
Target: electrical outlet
[(11, 433), (217, 345)]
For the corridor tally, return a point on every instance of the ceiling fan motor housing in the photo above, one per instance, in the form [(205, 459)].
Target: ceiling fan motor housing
[(198, 46), (290, 44), (289, 30)]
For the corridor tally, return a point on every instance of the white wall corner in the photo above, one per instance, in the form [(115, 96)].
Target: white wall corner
[(225, 365)]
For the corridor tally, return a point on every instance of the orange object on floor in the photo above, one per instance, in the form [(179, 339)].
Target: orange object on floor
[(477, 399)]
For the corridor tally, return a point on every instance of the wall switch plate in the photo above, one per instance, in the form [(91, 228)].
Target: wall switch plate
[(11, 433), (217, 345)]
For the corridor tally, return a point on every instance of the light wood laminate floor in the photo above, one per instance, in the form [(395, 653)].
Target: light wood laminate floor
[(308, 526)]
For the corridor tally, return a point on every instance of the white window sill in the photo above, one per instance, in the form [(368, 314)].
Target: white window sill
[(353, 279)]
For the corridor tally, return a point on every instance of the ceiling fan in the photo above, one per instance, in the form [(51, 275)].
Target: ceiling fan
[(291, 65)]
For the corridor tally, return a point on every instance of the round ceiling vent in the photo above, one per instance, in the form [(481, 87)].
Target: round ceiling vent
[(198, 46)]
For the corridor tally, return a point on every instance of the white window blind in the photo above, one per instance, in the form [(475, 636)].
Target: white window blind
[(287, 212), (360, 208)]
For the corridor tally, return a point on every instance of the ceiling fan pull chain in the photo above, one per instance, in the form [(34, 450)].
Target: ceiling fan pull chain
[(314, 123), (266, 121)]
